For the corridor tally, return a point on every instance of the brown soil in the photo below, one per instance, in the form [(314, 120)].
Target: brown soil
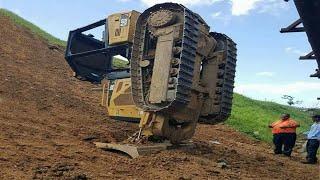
[(48, 121)]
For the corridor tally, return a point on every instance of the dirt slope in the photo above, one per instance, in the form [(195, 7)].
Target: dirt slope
[(46, 115)]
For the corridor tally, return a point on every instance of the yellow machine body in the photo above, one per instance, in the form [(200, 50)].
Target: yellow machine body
[(121, 27), (117, 97)]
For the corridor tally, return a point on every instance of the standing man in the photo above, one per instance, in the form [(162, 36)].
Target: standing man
[(313, 141), (284, 134)]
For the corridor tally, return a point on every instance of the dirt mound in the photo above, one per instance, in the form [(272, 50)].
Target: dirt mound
[(48, 121)]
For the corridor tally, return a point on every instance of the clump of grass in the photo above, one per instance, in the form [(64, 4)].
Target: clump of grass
[(252, 117), (33, 28), (119, 63)]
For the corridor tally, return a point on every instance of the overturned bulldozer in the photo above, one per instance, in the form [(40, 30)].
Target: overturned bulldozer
[(180, 72)]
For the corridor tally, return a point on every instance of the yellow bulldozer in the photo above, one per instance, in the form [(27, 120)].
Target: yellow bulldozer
[(177, 72)]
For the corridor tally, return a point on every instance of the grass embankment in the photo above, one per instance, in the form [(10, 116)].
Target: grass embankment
[(252, 117), (248, 116), (33, 28), (118, 63)]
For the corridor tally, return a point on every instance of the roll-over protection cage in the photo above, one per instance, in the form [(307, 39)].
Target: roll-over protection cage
[(91, 59)]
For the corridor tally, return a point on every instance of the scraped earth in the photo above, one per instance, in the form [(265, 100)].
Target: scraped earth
[(48, 121)]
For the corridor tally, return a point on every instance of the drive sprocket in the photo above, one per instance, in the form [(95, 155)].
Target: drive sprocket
[(161, 18)]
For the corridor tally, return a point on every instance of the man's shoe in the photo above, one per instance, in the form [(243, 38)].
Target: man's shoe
[(308, 162), (287, 154), (277, 152)]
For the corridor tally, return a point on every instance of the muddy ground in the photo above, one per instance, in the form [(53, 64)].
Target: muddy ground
[(48, 121)]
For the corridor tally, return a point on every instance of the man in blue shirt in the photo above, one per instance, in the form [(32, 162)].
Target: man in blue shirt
[(313, 141)]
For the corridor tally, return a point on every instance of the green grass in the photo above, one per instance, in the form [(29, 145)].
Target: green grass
[(248, 116), (119, 63), (33, 28), (252, 117)]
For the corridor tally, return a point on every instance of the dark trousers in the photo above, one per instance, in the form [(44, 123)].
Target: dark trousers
[(284, 143), (312, 148)]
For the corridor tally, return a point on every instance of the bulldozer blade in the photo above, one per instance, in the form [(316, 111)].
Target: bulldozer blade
[(134, 151)]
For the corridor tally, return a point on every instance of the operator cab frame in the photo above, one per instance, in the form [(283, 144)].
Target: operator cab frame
[(92, 59)]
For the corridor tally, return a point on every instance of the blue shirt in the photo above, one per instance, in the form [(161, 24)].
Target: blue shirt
[(314, 132)]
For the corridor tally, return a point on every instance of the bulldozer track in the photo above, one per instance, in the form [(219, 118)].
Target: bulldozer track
[(227, 70), (187, 58)]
